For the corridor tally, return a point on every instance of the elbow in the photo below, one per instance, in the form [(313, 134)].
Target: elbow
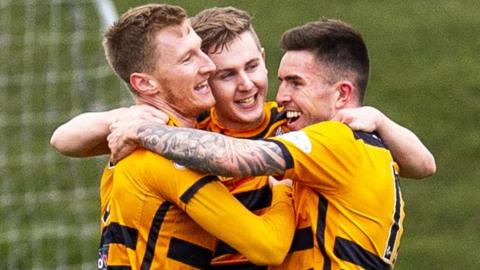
[(58, 142), (430, 166), (55, 142)]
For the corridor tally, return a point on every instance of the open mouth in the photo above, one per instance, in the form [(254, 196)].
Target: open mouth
[(293, 116), (202, 87), (247, 101)]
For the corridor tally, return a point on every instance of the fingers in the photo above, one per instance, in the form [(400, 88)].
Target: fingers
[(272, 181)]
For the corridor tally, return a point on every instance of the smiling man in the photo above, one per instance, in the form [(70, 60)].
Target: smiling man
[(349, 209), (239, 86), (157, 214)]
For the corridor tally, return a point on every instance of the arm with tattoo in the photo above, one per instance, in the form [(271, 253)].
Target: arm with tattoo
[(204, 151)]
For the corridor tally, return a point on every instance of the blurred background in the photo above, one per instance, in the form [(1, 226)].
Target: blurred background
[(425, 58)]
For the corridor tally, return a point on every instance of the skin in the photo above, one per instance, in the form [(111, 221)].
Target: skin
[(241, 74), (179, 84), (221, 155), (240, 83)]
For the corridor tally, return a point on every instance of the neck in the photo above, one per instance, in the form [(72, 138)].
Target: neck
[(182, 119)]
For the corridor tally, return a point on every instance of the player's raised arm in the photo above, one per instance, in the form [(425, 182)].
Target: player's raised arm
[(86, 134), (413, 157), (201, 150)]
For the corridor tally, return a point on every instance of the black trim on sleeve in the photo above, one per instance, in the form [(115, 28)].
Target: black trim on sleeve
[(188, 194), (349, 251), (189, 253), (286, 154), (369, 138), (153, 235)]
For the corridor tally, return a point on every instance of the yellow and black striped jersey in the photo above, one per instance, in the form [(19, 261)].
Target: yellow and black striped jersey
[(349, 208), (253, 192), (153, 211), (271, 125)]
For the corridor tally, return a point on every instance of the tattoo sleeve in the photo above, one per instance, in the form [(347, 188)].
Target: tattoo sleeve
[(213, 153)]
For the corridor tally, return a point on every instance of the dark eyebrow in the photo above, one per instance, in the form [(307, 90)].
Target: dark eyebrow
[(291, 78), (253, 60)]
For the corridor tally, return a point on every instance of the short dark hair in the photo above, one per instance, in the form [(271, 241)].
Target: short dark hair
[(130, 43), (219, 26), (336, 45)]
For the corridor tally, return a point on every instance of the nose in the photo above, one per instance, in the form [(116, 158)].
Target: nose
[(208, 67), (244, 83), (283, 95)]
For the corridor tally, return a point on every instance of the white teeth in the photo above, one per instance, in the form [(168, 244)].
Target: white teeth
[(247, 101), (201, 85), (292, 114)]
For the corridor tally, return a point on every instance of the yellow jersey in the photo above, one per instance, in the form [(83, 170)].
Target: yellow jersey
[(347, 199), (154, 212), (253, 192)]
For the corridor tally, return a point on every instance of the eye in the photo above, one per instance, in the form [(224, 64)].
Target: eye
[(226, 75), (295, 83), (252, 66), (187, 58)]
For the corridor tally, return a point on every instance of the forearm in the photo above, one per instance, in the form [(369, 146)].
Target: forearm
[(264, 240), (84, 135), (213, 153), (414, 159)]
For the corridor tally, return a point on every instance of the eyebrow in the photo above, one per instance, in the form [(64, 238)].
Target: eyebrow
[(290, 78)]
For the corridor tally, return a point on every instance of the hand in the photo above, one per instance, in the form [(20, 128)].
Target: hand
[(141, 112), (364, 118), (272, 181), (123, 129)]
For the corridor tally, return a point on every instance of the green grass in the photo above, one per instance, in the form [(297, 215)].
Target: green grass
[(425, 59)]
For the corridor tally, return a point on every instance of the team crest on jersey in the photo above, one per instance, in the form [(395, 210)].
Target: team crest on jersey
[(299, 139)]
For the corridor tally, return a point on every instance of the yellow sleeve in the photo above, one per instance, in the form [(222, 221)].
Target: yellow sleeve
[(264, 240), (323, 155)]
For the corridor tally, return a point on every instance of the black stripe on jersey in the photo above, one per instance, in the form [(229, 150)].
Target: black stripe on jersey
[(286, 154), (256, 199), (189, 253), (187, 195), (369, 138), (303, 239), (153, 235), (275, 117), (119, 234), (252, 200), (246, 266), (119, 267), (321, 227), (349, 251), (396, 222), (223, 248)]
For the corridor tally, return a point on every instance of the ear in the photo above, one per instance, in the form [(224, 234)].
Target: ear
[(262, 50), (346, 94), (143, 83)]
